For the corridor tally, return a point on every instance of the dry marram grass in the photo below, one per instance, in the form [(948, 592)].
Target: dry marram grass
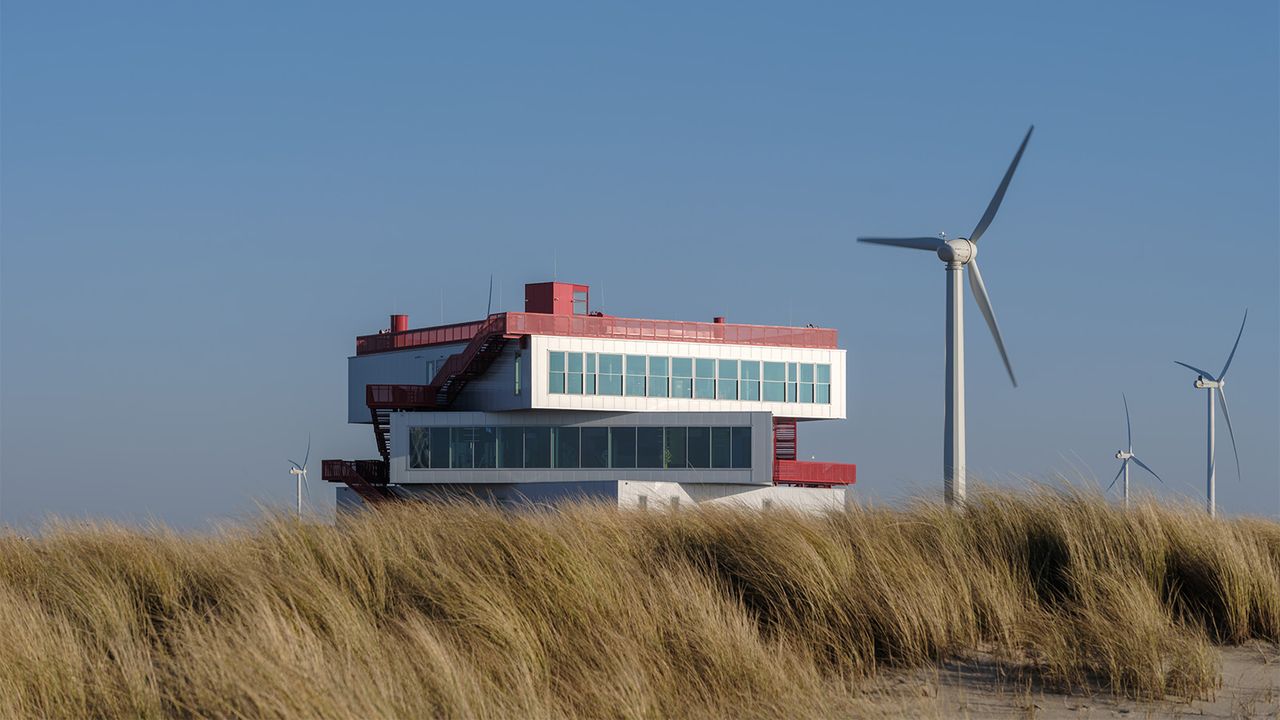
[(464, 611)]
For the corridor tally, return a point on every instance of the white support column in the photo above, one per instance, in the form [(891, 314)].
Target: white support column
[(1125, 467), (1210, 490), (953, 450)]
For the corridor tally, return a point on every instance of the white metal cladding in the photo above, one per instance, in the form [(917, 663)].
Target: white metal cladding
[(402, 367), (760, 472), (541, 397)]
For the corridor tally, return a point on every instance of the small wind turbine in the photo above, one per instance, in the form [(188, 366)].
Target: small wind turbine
[(300, 475), (1215, 385), (958, 253), (1126, 455)]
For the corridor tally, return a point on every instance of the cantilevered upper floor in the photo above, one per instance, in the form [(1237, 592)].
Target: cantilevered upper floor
[(558, 355)]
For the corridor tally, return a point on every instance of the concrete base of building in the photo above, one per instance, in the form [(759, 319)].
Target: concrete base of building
[(628, 494)]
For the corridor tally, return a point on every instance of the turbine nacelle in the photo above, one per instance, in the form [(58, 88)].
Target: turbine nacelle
[(1123, 454), (958, 251), (1203, 384)]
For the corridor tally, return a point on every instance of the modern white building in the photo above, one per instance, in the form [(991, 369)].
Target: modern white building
[(559, 402)]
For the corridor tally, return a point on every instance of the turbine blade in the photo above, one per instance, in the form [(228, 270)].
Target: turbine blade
[(990, 214), (1195, 369), (1144, 467), (984, 304), (308, 455), (916, 243), (1127, 425), (1223, 374), (294, 463), (1117, 477), (1222, 402)]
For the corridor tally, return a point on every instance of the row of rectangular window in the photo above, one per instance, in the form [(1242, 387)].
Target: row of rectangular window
[(572, 373), (673, 448)]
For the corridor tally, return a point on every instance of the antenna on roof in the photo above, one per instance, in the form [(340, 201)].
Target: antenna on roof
[(555, 264), (489, 310)]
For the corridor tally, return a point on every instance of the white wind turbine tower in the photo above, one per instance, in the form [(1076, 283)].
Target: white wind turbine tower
[(299, 472), (1215, 386), (957, 254), (1126, 455)]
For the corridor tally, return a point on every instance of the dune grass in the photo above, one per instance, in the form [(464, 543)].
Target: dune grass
[(463, 611)]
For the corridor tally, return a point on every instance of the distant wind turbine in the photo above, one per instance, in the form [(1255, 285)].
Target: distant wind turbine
[(1127, 455), (959, 253), (1216, 386), (300, 475)]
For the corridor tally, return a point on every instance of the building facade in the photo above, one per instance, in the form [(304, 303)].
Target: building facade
[(558, 402)]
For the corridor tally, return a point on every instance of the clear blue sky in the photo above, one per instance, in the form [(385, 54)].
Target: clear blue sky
[(204, 203)]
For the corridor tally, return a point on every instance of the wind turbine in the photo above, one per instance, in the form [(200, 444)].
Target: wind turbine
[(1126, 455), (300, 475), (959, 253), (1215, 385)]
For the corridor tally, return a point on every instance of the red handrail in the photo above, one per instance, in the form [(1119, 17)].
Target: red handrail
[(825, 474)]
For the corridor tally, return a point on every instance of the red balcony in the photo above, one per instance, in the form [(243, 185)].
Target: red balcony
[(813, 474)]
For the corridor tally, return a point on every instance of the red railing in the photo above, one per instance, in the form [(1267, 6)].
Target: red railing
[(370, 471), (400, 397), (796, 472), (441, 335), (615, 328)]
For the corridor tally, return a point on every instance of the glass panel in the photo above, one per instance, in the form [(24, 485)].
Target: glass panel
[(622, 447), (575, 362), (486, 447), (681, 387), (636, 365), (610, 381), (824, 373), (750, 370), (749, 389), (727, 390), (657, 377), (595, 447), (721, 446), (741, 447), (635, 385), (806, 392), (729, 369), (461, 440), (706, 367), (682, 367), (574, 385), (591, 362), (610, 385), (649, 447), (775, 371), (589, 382), (824, 394), (791, 372), (611, 364), (566, 447), (704, 388), (439, 448), (699, 447), (657, 366), (557, 361), (510, 447), (537, 447), (791, 392), (557, 382), (579, 302), (806, 372), (419, 448), (676, 451), (775, 391)]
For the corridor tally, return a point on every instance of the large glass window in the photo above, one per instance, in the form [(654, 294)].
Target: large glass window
[(727, 387), (806, 382), (537, 447), (824, 384), (622, 447), (649, 447), (566, 447), (589, 377), (610, 382), (573, 380), (657, 377), (791, 382), (635, 375), (741, 447), (595, 447), (681, 377), (749, 385), (775, 382), (704, 386), (556, 372), (675, 452), (699, 447), (579, 302), (721, 447), (510, 447)]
